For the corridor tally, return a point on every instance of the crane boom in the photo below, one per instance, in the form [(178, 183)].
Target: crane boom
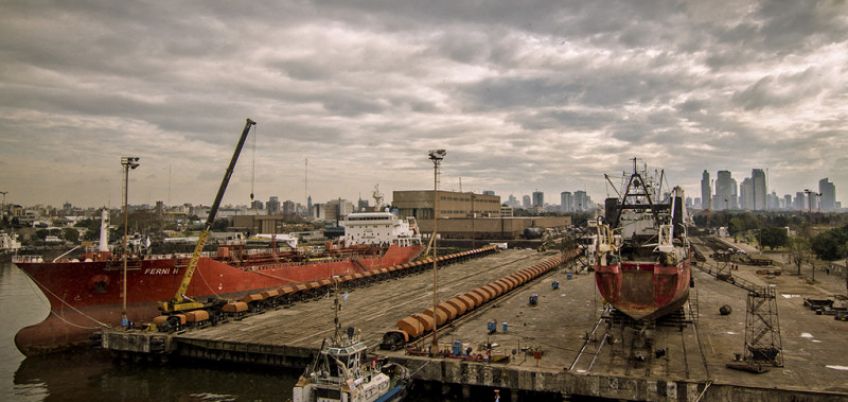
[(180, 301)]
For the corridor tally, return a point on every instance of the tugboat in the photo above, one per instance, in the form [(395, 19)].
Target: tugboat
[(343, 372)]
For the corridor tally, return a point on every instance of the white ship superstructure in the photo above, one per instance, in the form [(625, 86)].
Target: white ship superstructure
[(380, 228)]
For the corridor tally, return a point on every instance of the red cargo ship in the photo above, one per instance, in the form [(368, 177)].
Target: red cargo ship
[(642, 260), (86, 295)]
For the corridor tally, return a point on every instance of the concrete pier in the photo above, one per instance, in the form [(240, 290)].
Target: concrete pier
[(543, 341)]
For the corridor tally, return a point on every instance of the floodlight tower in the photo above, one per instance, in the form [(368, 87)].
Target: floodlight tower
[(436, 156), (129, 163)]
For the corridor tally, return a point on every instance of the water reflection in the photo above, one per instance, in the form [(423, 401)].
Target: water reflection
[(86, 376)]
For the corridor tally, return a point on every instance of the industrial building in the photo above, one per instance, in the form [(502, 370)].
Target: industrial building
[(419, 204)]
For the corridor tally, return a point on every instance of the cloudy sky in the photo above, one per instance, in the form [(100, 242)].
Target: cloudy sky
[(524, 95)]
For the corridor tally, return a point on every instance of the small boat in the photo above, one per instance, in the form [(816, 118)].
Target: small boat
[(343, 372)]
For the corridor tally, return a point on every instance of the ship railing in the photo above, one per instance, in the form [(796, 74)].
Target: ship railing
[(27, 258)]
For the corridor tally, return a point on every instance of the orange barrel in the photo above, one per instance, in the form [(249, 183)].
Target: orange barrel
[(270, 293), (313, 285), (448, 309), (411, 326), (357, 276), (441, 317), (511, 282), (234, 307), (383, 271), (300, 287), (458, 305), (347, 278), (197, 316), (492, 290), (160, 320), (287, 290), (500, 288), (469, 303), (256, 297), (478, 297), (182, 318), (484, 294), (325, 282), (425, 320)]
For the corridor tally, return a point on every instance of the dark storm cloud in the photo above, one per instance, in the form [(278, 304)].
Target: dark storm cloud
[(543, 94)]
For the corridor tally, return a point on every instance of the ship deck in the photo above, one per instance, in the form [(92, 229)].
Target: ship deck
[(693, 367)]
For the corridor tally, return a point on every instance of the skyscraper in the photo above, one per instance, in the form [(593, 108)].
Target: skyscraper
[(746, 193), (525, 201), (725, 191), (706, 192), (273, 205), (538, 199), (758, 178), (787, 201), (800, 201), (828, 195), (566, 201), (581, 201)]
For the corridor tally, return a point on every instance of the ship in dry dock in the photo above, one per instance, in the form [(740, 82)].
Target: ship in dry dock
[(642, 261)]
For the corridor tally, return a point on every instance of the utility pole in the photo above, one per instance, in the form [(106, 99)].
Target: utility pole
[(436, 156), (129, 163)]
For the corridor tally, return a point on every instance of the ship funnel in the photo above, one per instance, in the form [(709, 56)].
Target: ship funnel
[(104, 231)]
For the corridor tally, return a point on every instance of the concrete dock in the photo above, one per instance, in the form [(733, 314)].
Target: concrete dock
[(543, 341)]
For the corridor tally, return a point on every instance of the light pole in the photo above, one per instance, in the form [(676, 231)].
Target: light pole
[(129, 163), (810, 195), (3, 207), (436, 156)]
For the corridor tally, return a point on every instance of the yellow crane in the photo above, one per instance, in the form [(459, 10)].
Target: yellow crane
[(181, 301)]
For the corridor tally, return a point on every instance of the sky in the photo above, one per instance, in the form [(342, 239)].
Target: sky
[(523, 95)]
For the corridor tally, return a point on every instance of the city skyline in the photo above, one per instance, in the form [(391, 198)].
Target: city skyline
[(548, 96)]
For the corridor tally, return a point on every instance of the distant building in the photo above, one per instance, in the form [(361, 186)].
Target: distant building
[(256, 204), (488, 192), (362, 205), (772, 201), (309, 205), (506, 211), (697, 203), (566, 201), (273, 205), (746, 194), (512, 201), (689, 203), (706, 192), (800, 201), (828, 195), (335, 210), (787, 201), (525, 202), (758, 178), (581, 201), (289, 207), (538, 199), (725, 189)]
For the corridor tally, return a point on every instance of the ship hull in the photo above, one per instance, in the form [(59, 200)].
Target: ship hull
[(85, 296), (644, 290)]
